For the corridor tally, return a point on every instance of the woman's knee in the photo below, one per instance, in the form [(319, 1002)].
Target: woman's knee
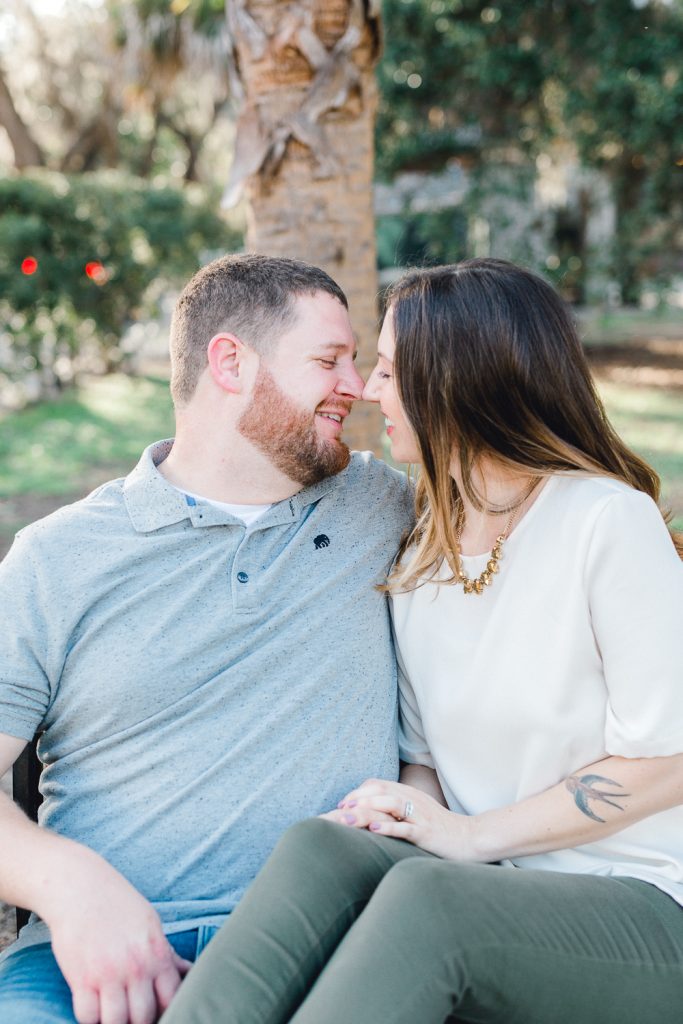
[(323, 840), (427, 889), (324, 853)]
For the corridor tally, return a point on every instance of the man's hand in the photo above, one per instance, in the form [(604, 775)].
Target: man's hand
[(109, 944)]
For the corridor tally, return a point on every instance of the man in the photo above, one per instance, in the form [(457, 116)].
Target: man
[(203, 648)]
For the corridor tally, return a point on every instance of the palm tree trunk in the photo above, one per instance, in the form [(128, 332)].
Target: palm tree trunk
[(304, 152)]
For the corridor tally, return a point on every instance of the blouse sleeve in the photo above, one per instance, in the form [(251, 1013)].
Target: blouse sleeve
[(634, 580), (413, 747)]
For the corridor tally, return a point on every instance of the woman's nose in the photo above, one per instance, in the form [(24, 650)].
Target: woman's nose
[(369, 391)]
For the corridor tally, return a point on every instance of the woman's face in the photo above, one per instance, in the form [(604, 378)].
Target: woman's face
[(381, 388)]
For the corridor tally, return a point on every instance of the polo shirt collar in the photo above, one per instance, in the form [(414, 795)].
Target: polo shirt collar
[(153, 503)]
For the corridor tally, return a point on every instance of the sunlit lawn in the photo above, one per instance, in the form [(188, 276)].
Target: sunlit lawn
[(651, 421), (67, 446), (59, 447)]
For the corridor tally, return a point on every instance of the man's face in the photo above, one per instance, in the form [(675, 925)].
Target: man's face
[(304, 391)]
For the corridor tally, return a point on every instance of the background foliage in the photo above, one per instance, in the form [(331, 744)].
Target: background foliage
[(144, 85), (119, 120), (482, 84), (133, 235)]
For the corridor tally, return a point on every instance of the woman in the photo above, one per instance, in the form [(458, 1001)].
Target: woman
[(536, 610)]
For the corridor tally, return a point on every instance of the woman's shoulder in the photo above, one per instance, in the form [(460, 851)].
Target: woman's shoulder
[(583, 493), (580, 510), (600, 512)]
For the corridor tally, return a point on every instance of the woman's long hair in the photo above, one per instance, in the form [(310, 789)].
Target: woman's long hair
[(488, 363)]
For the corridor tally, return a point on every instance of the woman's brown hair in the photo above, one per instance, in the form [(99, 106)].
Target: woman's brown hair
[(488, 362)]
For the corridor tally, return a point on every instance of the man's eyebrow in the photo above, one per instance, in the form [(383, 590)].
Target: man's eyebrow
[(336, 346)]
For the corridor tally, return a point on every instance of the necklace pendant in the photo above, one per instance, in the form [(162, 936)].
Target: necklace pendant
[(485, 579)]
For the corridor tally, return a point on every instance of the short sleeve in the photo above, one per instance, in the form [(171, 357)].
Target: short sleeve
[(24, 686), (635, 590), (413, 747)]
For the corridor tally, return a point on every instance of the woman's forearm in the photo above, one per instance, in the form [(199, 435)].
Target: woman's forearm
[(596, 801), (593, 803)]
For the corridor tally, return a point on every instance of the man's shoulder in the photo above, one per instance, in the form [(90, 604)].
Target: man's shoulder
[(365, 469), (371, 489), (94, 512)]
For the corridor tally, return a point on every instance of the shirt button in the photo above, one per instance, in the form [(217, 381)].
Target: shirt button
[(243, 577)]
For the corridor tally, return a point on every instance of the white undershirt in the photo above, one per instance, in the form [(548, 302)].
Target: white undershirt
[(572, 654), (247, 513)]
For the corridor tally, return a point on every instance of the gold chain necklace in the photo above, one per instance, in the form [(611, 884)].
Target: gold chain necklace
[(502, 510), (485, 578)]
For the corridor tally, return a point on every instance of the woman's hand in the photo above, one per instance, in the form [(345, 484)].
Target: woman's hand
[(403, 812), (596, 801)]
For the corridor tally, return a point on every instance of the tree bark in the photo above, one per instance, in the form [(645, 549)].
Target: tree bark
[(26, 150), (305, 149)]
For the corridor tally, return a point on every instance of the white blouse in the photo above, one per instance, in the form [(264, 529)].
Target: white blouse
[(572, 654)]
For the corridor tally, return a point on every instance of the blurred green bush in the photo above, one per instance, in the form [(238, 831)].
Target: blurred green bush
[(83, 257)]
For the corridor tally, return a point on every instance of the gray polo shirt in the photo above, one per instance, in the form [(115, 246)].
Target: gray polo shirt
[(200, 685)]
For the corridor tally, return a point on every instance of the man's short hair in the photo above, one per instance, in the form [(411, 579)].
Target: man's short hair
[(249, 295)]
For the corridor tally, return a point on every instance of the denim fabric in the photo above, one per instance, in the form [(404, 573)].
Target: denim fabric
[(33, 989)]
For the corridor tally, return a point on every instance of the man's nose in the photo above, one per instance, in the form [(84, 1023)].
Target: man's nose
[(351, 383)]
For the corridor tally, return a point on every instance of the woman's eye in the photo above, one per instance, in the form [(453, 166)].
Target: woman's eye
[(383, 375)]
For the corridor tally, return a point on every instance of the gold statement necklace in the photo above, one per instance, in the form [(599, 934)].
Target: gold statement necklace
[(485, 578)]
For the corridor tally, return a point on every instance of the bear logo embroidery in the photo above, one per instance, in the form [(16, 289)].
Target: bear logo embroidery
[(321, 541)]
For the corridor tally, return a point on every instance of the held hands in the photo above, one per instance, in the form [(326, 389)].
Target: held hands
[(393, 809), (110, 946)]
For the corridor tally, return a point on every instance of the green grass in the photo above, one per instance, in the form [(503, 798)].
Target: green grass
[(650, 420), (96, 431)]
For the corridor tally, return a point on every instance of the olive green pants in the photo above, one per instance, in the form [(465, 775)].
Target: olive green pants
[(345, 927)]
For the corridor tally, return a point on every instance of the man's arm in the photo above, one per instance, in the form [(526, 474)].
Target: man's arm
[(107, 939)]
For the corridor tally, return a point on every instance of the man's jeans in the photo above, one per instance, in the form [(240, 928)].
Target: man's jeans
[(33, 989)]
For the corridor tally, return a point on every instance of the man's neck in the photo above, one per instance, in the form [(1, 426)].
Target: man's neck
[(241, 475)]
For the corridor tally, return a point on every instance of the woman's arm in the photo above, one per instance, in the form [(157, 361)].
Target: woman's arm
[(421, 777), (594, 802)]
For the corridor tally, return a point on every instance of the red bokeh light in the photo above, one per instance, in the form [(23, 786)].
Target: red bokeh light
[(96, 271), (29, 265)]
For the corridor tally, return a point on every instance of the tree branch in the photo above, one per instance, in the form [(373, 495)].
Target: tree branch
[(27, 152)]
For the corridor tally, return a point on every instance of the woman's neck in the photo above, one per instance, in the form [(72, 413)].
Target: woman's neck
[(504, 499)]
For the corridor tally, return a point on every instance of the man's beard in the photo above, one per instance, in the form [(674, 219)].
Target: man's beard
[(287, 434)]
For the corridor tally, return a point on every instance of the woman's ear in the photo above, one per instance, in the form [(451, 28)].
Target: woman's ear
[(226, 356)]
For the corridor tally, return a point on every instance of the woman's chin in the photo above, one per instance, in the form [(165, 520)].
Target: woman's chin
[(404, 454)]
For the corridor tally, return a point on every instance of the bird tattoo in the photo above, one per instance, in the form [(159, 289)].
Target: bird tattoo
[(583, 789)]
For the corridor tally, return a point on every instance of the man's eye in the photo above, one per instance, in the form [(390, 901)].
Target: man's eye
[(329, 363)]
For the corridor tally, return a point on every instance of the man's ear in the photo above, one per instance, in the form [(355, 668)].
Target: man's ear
[(226, 356)]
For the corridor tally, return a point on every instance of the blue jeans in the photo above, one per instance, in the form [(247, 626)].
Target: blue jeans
[(33, 989)]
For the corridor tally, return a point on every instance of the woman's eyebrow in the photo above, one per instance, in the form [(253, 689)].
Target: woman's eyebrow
[(385, 357)]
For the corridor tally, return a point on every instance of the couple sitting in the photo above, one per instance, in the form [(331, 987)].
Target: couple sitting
[(205, 648)]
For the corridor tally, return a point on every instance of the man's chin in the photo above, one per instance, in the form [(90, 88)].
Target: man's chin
[(334, 457), (331, 458)]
